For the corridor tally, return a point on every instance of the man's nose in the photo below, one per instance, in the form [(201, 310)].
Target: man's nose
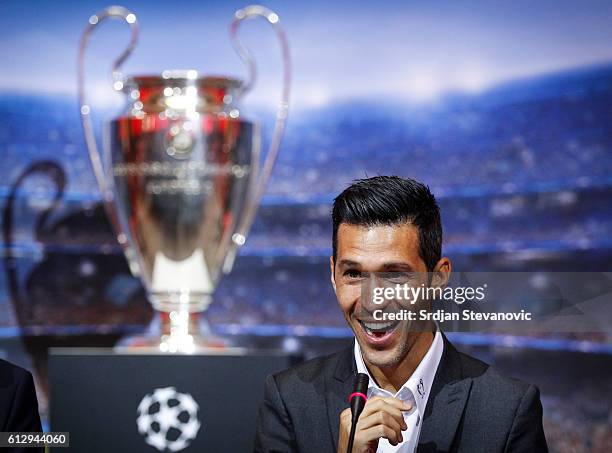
[(373, 293)]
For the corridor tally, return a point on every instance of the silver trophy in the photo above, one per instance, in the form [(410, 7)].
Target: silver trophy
[(181, 180)]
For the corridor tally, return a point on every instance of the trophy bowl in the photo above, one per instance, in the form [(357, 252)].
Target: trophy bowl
[(181, 181)]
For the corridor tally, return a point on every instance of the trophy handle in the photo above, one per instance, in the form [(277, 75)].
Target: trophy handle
[(249, 12), (112, 12)]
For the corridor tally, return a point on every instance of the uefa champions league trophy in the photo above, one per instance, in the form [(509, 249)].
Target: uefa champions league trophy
[(180, 179)]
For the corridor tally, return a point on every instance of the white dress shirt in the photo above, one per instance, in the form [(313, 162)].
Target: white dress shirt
[(415, 390)]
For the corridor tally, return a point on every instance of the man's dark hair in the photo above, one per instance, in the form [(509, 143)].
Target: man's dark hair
[(391, 200)]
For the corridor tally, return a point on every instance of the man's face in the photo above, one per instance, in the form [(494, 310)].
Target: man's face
[(364, 253)]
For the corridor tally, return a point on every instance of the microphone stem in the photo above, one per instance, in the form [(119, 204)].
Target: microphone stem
[(351, 437)]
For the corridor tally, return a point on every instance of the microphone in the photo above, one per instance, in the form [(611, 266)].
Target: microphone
[(357, 400)]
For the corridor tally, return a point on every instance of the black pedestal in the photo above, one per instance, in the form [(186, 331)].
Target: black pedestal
[(190, 403)]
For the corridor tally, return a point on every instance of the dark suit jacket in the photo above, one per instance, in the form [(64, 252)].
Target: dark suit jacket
[(18, 403), (471, 408)]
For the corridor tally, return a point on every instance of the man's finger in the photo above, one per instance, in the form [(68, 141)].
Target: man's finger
[(382, 418), (383, 406), (376, 432), (378, 400)]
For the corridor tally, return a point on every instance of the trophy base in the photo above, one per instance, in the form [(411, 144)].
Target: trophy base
[(177, 332), (145, 344)]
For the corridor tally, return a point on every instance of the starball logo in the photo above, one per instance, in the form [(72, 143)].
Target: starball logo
[(168, 419)]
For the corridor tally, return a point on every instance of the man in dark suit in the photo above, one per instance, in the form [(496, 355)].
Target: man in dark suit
[(18, 403), (423, 394)]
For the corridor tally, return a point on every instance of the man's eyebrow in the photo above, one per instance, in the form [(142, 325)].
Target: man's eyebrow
[(349, 263), (401, 266), (397, 266)]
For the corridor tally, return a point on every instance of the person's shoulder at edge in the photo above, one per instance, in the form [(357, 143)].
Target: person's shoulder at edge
[(11, 373), (18, 395)]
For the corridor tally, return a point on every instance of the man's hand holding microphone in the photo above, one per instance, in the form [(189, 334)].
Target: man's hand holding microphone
[(368, 420)]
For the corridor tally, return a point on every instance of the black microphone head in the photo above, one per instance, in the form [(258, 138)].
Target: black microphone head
[(361, 383), (359, 396)]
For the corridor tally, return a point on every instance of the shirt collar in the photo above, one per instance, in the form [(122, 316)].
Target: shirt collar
[(419, 384)]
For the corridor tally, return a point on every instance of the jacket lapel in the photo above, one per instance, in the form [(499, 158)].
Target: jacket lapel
[(446, 403), (339, 387)]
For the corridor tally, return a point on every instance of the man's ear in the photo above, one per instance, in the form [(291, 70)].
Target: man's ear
[(331, 272), (441, 273)]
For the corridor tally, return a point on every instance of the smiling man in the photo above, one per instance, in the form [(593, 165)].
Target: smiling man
[(423, 394)]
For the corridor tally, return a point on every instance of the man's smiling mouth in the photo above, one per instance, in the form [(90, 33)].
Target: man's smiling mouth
[(378, 329)]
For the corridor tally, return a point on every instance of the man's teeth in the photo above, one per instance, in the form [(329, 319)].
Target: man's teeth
[(372, 327)]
